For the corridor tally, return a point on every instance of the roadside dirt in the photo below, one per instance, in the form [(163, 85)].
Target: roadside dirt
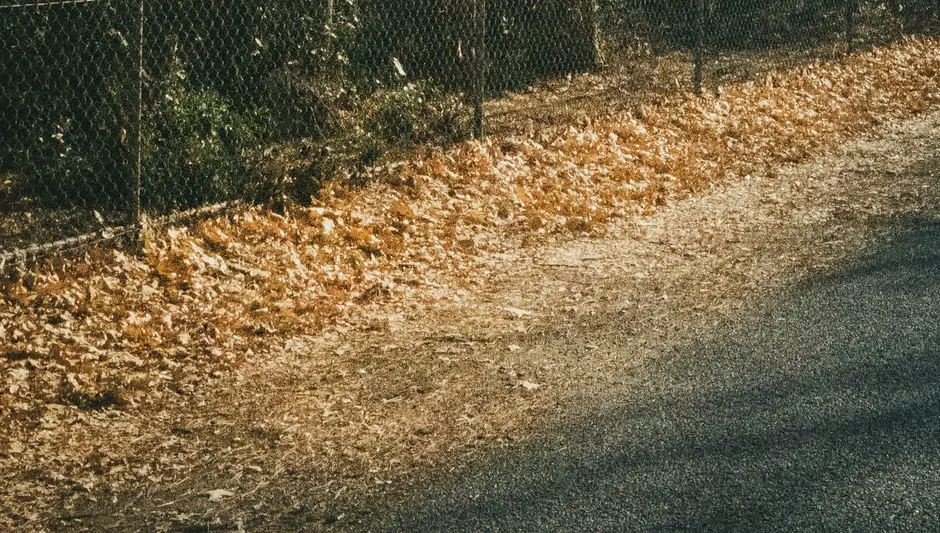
[(423, 383)]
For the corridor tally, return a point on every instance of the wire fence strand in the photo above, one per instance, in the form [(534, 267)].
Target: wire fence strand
[(49, 4)]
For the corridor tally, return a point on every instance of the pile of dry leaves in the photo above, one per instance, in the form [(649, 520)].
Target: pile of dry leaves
[(117, 330)]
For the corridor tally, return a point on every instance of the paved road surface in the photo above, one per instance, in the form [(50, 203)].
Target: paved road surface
[(820, 413)]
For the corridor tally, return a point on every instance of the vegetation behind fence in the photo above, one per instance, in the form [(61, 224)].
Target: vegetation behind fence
[(117, 112)]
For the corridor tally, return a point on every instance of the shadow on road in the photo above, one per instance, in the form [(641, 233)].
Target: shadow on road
[(821, 411)]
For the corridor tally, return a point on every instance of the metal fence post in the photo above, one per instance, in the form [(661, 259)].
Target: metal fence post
[(592, 8), (479, 58), (850, 25), (699, 45), (138, 207)]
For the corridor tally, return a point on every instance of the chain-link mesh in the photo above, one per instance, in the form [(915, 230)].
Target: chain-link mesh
[(115, 110), (67, 120), (748, 39)]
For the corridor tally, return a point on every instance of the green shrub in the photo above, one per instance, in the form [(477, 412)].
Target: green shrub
[(308, 106), (198, 149), (414, 114), (65, 113), (417, 113), (347, 157)]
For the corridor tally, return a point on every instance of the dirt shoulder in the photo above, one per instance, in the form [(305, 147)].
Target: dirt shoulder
[(274, 371), (426, 383)]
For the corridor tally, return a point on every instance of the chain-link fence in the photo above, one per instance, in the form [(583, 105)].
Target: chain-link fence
[(118, 112), (67, 119)]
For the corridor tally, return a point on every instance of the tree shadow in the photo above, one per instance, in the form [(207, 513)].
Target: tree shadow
[(821, 411)]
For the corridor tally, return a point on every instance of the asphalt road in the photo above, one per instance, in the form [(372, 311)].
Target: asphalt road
[(819, 412)]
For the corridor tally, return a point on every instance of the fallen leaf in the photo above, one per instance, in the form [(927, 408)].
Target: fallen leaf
[(218, 494), (327, 227), (518, 313)]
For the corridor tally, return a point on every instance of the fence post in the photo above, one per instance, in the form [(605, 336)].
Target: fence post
[(479, 67), (592, 12), (329, 12), (699, 46), (850, 25), (138, 171)]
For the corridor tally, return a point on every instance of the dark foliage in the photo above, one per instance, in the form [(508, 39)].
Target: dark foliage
[(225, 80), (66, 108)]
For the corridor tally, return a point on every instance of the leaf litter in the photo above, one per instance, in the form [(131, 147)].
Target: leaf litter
[(86, 344)]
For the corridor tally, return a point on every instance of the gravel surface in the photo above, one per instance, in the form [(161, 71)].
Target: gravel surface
[(819, 411)]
